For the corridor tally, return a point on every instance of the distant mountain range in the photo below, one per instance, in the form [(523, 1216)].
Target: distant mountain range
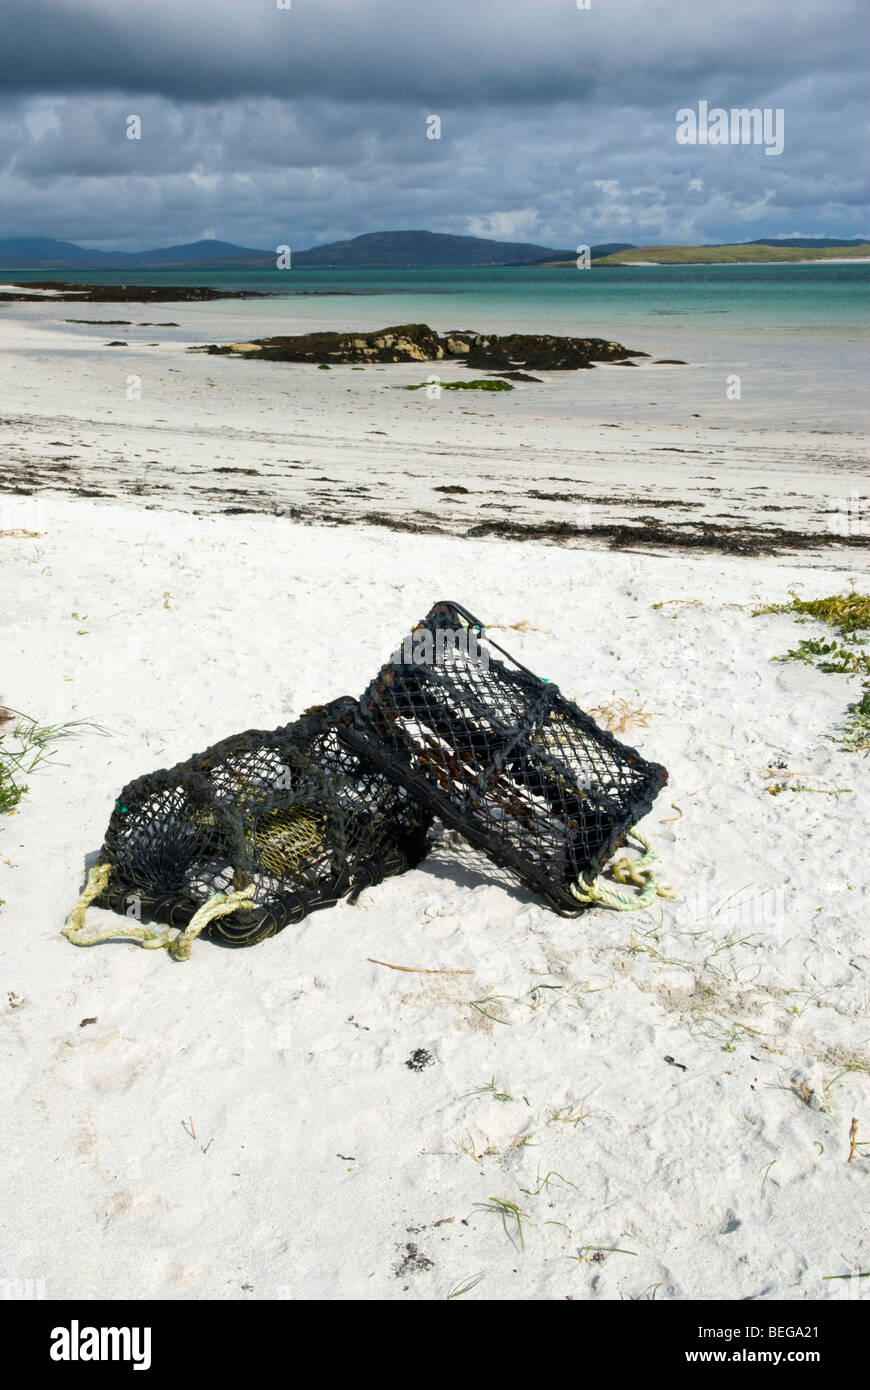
[(375, 251), (44, 253)]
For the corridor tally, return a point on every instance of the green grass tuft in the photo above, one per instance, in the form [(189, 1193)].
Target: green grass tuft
[(849, 615), (24, 746)]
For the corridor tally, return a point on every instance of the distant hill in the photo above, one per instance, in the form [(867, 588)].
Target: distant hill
[(205, 253), (372, 250), (809, 241), (747, 253), (25, 253), (43, 253), (399, 250)]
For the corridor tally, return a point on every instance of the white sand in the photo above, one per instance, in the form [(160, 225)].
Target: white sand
[(319, 1157), (171, 631), (29, 290), (178, 429)]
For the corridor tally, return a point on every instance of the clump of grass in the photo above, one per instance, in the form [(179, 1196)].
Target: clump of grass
[(849, 616), (544, 1183), (492, 999), (464, 1286), (493, 1090), (464, 386), (847, 613), (24, 746), (509, 1212)]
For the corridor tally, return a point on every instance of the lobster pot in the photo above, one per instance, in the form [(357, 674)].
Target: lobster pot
[(501, 755), (295, 812)]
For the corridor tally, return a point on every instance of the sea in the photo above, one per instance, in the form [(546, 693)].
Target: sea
[(782, 345)]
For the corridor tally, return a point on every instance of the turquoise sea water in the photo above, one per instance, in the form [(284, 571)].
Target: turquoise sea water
[(773, 296), (797, 335)]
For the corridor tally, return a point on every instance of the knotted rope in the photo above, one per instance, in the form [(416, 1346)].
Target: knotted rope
[(637, 871), (218, 905)]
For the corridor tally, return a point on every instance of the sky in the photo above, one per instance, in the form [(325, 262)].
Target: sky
[(298, 122)]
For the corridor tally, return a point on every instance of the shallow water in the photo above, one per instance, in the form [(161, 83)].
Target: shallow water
[(795, 335)]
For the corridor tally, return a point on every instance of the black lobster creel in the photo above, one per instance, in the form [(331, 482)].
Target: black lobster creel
[(252, 835), (501, 756)]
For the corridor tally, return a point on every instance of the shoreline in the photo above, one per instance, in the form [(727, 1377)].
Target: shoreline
[(68, 292), (688, 265), (553, 460)]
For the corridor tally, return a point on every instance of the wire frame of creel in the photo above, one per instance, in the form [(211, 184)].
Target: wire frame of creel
[(293, 812), (501, 755)]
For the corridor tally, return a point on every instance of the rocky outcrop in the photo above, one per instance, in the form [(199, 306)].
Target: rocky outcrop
[(411, 342), (417, 342), (544, 352)]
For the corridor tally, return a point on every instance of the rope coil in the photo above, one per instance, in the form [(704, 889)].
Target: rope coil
[(640, 872), (218, 905)]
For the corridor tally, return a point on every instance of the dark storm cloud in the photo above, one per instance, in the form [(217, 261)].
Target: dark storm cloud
[(263, 124), (456, 51)]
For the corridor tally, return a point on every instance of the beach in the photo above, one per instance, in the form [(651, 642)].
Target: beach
[(623, 1105), (573, 457)]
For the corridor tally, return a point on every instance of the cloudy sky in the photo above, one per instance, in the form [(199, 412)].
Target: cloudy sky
[(264, 125)]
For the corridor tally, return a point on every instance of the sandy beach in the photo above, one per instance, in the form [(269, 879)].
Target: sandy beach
[(576, 459), (618, 1106)]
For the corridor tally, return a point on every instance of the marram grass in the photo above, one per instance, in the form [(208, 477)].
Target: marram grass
[(849, 615), (24, 746)]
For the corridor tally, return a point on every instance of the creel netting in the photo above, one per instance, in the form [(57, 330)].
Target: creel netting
[(502, 756), (293, 816)]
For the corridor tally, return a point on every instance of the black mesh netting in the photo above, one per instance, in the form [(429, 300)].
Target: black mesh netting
[(294, 812), (501, 755)]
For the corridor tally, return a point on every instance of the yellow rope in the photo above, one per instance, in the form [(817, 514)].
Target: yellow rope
[(98, 879), (219, 905), (637, 871)]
